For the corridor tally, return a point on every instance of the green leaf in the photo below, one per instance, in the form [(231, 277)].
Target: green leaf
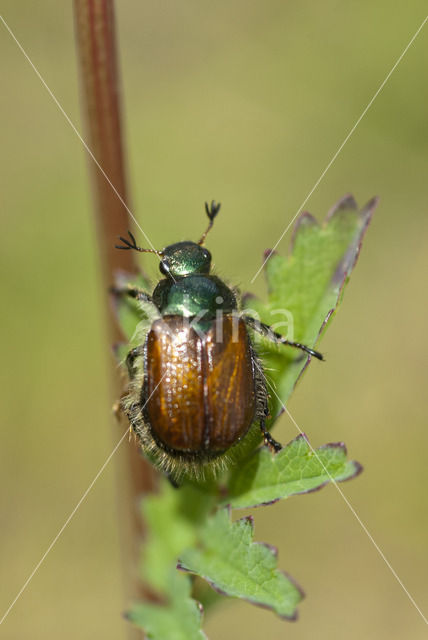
[(265, 477), (172, 517), (305, 288), (236, 566), (178, 619)]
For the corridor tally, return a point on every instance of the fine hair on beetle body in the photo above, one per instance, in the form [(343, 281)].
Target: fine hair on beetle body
[(196, 384)]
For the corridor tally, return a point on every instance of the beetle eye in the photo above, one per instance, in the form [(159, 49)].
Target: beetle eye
[(164, 267)]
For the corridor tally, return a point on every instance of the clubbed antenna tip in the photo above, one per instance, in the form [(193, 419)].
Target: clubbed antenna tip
[(211, 211), (132, 244)]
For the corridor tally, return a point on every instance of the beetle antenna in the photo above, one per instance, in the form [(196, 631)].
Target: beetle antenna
[(133, 245), (211, 211)]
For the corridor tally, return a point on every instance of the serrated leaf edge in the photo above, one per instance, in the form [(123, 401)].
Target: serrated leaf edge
[(358, 468), (273, 550)]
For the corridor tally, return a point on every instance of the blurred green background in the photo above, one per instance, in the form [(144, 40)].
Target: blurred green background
[(244, 102)]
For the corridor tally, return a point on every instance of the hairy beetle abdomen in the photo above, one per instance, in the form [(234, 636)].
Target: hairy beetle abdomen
[(199, 387)]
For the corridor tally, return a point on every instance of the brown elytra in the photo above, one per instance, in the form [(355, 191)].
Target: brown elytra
[(201, 389)]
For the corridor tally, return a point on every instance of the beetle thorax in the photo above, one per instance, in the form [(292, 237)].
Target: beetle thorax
[(194, 295)]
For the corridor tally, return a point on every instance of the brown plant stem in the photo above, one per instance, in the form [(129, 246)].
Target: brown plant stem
[(95, 31)]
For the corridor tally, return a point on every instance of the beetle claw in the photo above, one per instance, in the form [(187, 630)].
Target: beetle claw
[(272, 444)]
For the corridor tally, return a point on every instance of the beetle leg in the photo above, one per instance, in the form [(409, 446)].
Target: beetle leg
[(267, 331), (273, 445), (131, 357), (132, 292)]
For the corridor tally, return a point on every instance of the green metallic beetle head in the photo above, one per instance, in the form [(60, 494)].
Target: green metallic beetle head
[(184, 259)]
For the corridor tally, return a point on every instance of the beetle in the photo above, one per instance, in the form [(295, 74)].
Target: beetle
[(196, 384)]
